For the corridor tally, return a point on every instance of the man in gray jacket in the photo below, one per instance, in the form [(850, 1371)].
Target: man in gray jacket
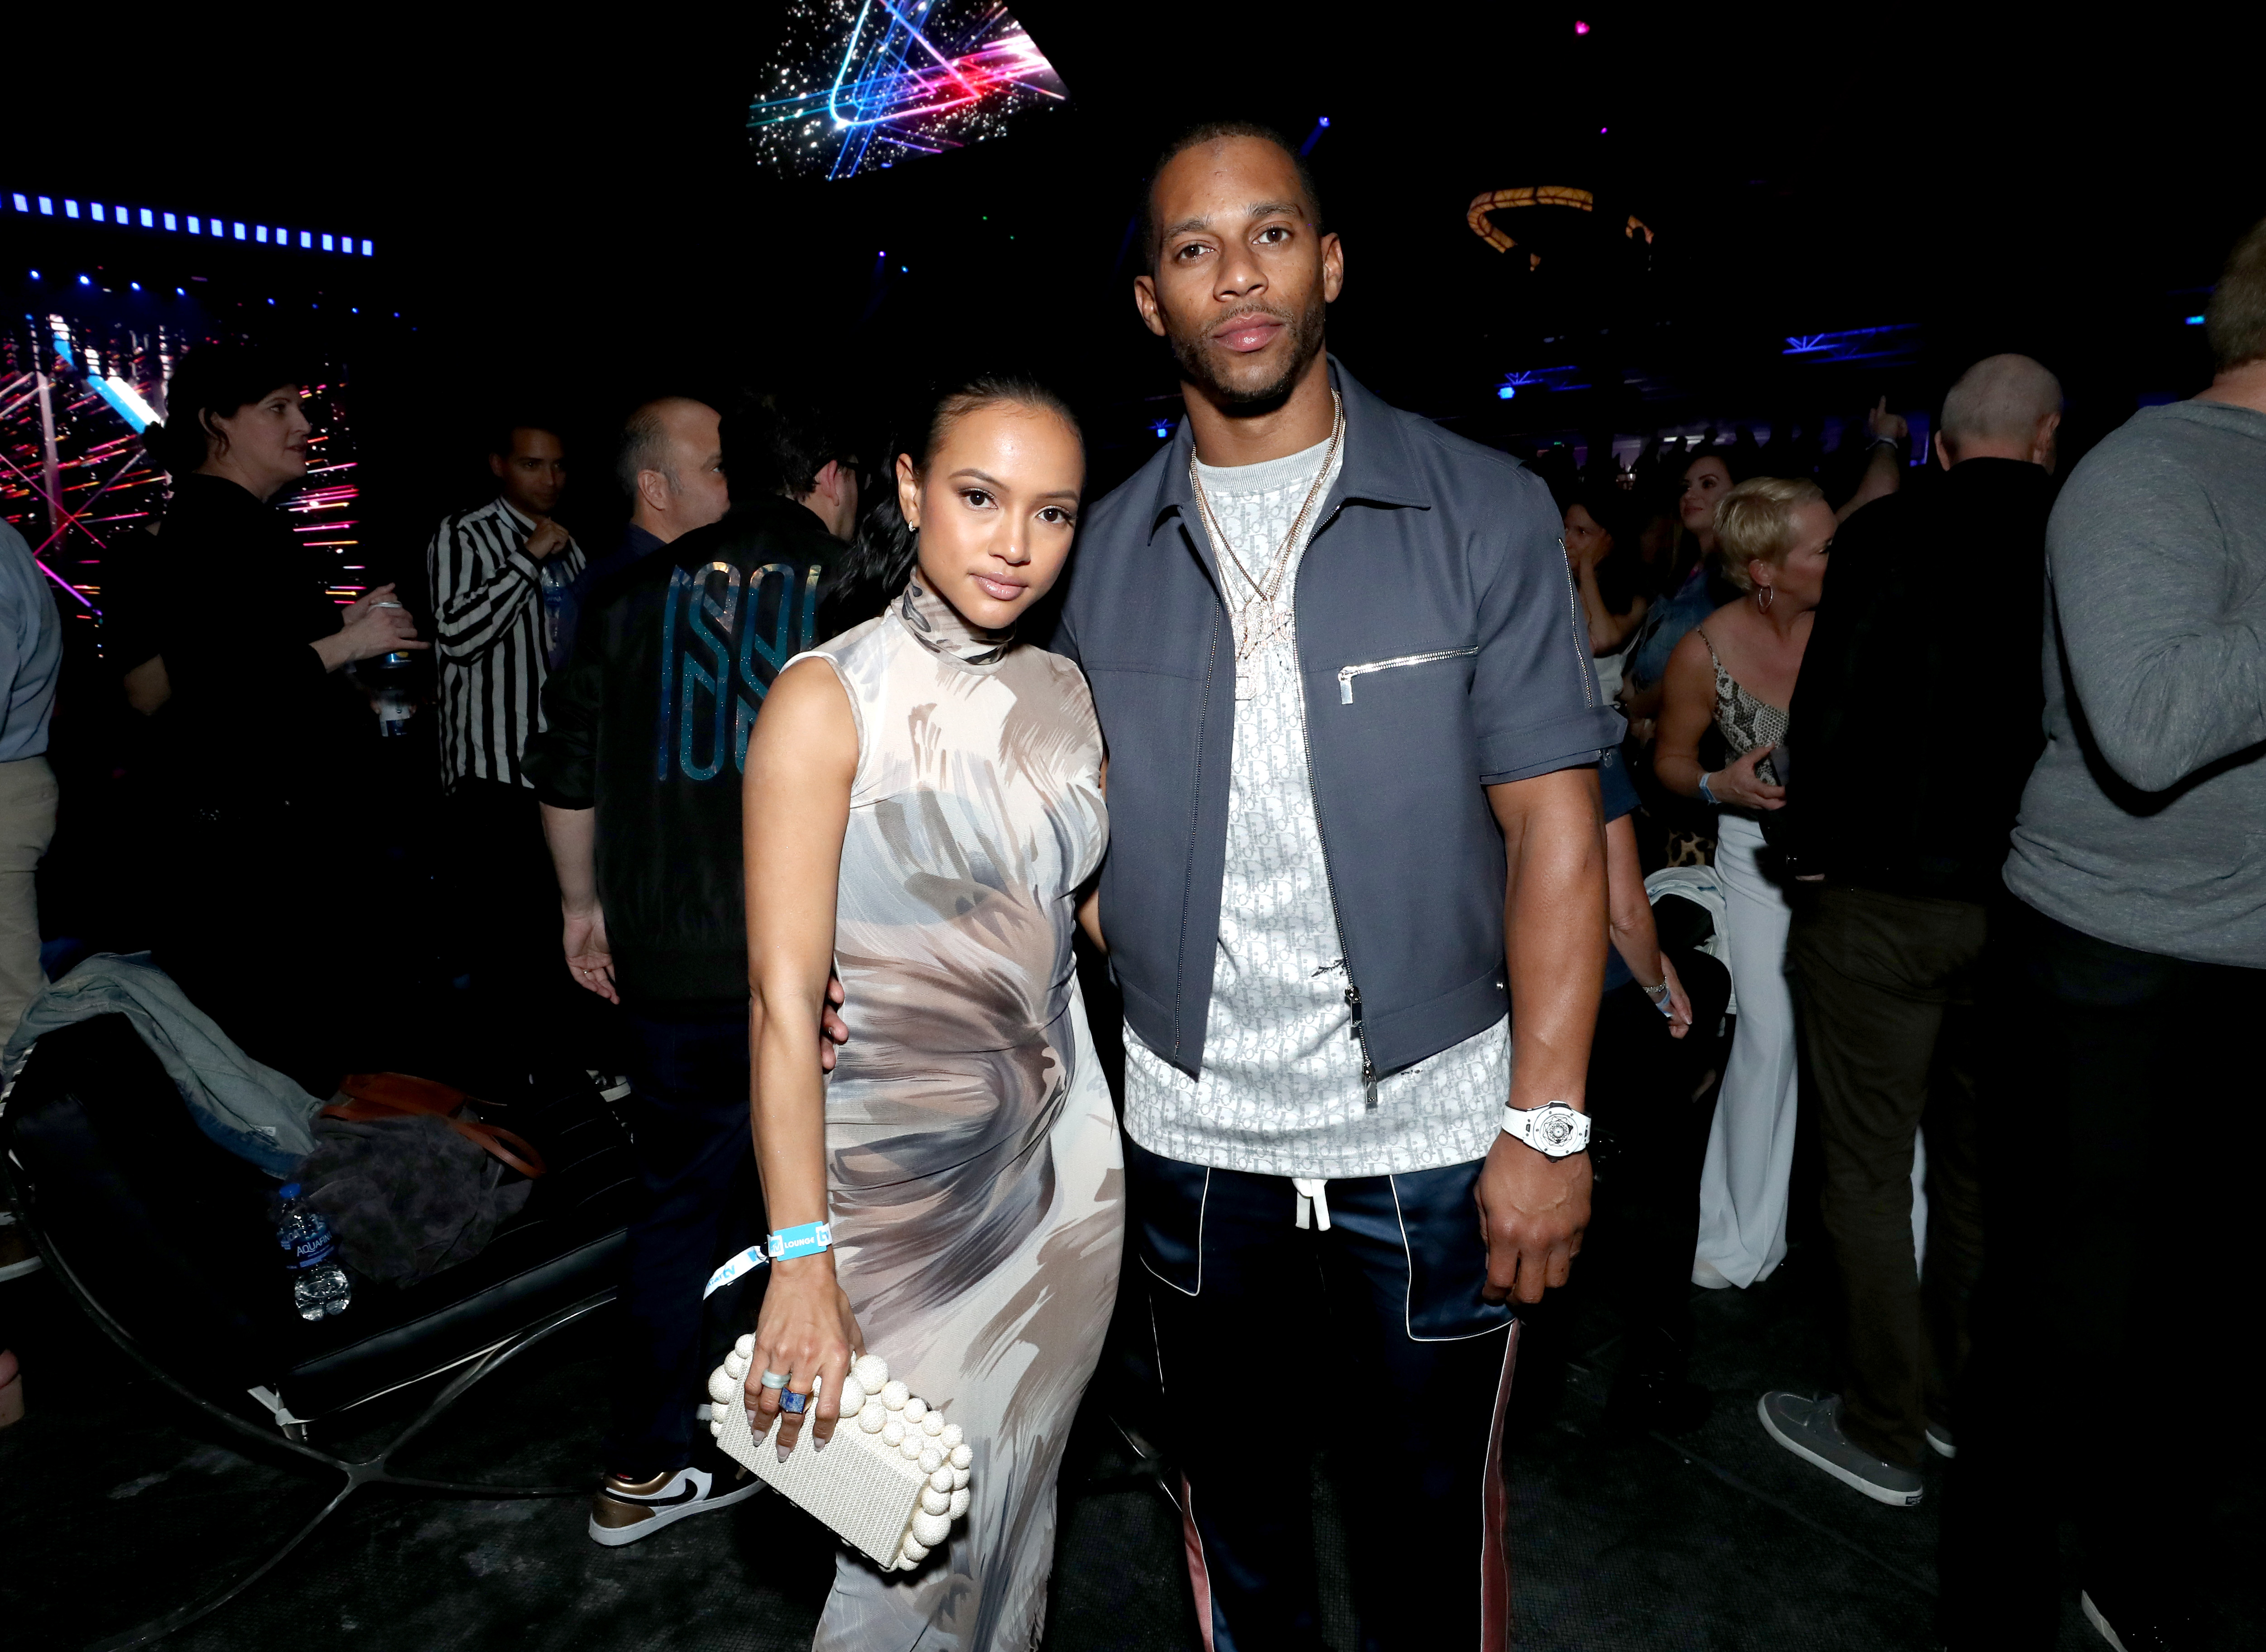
[(2138, 956), (1354, 897)]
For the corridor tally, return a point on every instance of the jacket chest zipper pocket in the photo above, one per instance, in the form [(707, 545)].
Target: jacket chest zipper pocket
[(1346, 673)]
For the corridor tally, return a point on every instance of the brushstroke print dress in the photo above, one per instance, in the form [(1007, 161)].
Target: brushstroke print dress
[(974, 1175)]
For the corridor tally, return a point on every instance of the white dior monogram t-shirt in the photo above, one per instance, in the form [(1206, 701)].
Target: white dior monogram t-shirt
[(1282, 1092)]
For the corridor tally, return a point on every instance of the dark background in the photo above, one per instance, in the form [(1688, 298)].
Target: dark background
[(566, 215)]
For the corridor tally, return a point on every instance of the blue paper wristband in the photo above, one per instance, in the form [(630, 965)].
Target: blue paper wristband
[(807, 1240)]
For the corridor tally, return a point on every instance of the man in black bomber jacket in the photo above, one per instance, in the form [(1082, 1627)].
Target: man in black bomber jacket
[(638, 773)]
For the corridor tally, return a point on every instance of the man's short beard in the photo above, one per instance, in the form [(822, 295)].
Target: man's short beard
[(1305, 329)]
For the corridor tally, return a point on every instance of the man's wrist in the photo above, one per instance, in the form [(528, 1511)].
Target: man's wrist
[(1556, 1129)]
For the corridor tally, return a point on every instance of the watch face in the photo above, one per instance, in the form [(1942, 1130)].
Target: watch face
[(1553, 1129)]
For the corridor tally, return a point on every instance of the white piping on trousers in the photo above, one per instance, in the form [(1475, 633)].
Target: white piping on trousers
[(1408, 1289), (1201, 1204)]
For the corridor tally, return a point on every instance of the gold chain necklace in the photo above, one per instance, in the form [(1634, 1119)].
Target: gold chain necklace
[(1258, 622)]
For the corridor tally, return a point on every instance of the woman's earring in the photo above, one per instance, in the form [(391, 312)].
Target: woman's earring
[(1765, 595)]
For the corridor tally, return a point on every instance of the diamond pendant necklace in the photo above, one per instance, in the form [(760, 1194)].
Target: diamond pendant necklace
[(1259, 618)]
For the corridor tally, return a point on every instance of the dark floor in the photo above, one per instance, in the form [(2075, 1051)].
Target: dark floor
[(119, 1504)]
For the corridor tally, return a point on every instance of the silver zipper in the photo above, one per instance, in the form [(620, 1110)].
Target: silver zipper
[(1329, 877), (1346, 673)]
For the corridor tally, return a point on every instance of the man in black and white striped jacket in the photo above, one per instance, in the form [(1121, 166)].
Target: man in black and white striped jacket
[(486, 569)]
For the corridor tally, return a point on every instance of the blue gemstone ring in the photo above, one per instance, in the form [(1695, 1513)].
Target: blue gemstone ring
[(793, 1404)]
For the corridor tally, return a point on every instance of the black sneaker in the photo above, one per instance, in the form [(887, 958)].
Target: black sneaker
[(623, 1511)]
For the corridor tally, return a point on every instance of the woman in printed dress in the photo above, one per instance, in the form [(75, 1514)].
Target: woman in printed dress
[(924, 818)]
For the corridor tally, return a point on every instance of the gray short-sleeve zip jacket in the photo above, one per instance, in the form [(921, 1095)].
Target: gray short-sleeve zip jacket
[(1442, 650)]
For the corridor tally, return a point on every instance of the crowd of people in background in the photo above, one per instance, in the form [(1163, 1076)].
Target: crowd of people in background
[(1929, 824)]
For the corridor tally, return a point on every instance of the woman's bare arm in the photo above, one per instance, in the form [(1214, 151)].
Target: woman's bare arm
[(802, 761), (1607, 630), (1628, 914), (1687, 702)]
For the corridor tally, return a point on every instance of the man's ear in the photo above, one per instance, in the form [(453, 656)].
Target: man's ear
[(653, 492), (496, 465), (1144, 300), (1942, 453), (827, 483), (2045, 444), (1333, 268)]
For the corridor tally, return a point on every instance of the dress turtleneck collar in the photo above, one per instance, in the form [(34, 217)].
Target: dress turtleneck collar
[(938, 627)]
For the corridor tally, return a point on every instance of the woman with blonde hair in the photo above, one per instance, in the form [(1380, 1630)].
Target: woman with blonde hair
[(1737, 670)]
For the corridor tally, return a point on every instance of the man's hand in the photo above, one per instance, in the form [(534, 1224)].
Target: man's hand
[(1532, 1212), (832, 1029), (547, 537), (587, 953)]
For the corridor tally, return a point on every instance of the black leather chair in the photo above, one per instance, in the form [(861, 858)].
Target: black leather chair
[(163, 1236)]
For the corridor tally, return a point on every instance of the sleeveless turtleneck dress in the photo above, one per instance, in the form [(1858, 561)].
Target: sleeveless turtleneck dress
[(975, 1180)]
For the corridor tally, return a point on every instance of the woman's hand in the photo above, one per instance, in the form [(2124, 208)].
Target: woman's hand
[(1737, 786), (1881, 425), (371, 598), (1679, 1002), (805, 1332), (375, 625)]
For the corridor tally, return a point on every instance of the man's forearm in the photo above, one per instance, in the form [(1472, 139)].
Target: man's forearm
[(1555, 926), (573, 835)]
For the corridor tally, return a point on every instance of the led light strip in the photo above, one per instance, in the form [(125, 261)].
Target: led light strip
[(175, 223)]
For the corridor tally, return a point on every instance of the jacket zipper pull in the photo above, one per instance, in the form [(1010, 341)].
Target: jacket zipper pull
[(1368, 1071)]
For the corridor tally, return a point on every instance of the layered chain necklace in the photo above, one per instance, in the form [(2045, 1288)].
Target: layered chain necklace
[(1261, 618)]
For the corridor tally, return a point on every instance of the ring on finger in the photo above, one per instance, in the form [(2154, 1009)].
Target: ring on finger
[(774, 1379), (793, 1403)]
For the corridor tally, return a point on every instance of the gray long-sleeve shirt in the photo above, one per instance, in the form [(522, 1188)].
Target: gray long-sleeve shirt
[(2145, 822)]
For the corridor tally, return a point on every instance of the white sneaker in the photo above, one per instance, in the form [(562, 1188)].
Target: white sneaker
[(623, 1511)]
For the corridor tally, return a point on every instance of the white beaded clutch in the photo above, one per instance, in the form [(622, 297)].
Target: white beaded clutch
[(890, 1482)]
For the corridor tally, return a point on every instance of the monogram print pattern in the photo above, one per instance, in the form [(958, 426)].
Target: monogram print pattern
[(1283, 1092)]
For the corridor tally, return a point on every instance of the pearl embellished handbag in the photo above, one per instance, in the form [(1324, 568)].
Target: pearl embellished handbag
[(890, 1482)]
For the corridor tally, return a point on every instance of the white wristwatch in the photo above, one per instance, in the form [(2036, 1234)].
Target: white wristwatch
[(1553, 1129)]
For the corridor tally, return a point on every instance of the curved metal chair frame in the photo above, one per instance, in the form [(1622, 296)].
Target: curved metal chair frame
[(373, 1471)]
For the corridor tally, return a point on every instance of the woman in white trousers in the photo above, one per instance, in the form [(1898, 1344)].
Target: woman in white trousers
[(1737, 670)]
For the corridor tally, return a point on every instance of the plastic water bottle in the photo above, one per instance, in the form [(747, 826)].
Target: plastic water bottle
[(553, 583), (318, 1284), (388, 677)]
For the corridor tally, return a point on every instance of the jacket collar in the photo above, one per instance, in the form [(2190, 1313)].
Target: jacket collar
[(1379, 466)]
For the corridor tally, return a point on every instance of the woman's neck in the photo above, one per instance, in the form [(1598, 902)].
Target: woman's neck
[(943, 629)]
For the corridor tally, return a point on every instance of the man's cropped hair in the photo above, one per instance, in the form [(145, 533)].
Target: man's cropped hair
[(500, 433), (1153, 233), (2235, 319), (778, 442)]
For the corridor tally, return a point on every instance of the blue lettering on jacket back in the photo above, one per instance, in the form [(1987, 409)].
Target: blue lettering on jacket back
[(719, 651)]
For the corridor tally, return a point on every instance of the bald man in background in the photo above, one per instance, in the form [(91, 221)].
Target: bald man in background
[(671, 462), (1914, 724)]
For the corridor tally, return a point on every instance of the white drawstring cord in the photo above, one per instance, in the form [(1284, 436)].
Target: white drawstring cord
[(1312, 1198)]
